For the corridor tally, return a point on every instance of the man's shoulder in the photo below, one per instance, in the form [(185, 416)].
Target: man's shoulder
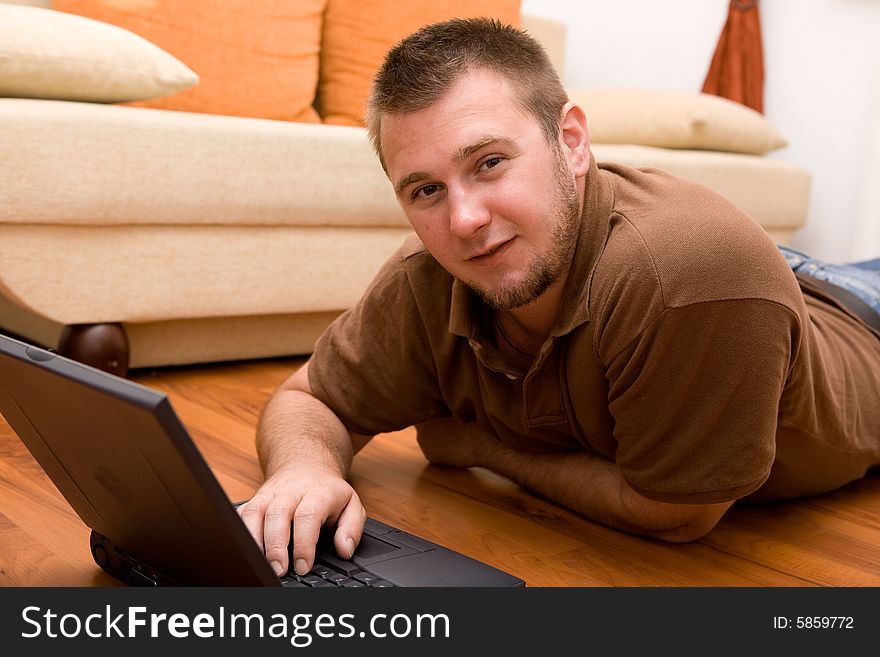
[(412, 247), (410, 256), (411, 273), (648, 192), (688, 244), (415, 259)]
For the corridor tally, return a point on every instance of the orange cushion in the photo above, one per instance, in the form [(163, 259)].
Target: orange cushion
[(358, 33), (255, 58)]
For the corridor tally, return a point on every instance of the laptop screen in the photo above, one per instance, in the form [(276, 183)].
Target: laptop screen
[(122, 459)]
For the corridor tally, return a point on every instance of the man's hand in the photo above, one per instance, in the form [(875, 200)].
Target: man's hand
[(305, 452), (447, 441), (309, 499)]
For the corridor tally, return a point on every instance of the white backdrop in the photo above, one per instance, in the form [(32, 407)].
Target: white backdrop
[(822, 89)]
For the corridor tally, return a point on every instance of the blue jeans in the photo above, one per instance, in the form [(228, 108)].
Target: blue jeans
[(860, 278)]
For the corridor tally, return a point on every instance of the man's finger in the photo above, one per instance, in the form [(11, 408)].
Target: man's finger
[(310, 515), (350, 527), (251, 514), (276, 532)]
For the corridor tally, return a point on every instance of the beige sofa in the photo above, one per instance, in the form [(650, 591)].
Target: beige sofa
[(190, 238)]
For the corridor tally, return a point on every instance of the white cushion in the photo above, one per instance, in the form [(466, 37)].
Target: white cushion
[(674, 119), (53, 55)]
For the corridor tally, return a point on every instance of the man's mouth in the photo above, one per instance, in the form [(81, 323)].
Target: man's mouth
[(487, 254)]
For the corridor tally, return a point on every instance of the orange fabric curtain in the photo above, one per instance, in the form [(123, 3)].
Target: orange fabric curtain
[(737, 68)]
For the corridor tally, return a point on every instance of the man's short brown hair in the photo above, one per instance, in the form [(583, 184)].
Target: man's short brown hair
[(419, 70)]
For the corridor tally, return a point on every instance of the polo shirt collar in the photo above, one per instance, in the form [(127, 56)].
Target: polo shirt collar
[(464, 315), (595, 224)]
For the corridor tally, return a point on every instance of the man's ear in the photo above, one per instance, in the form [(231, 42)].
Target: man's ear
[(575, 138)]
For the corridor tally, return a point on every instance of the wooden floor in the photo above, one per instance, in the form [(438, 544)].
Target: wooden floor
[(831, 540)]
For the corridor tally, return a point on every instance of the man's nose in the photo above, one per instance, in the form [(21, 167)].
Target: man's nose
[(467, 213)]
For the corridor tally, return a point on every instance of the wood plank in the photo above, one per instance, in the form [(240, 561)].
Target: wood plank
[(827, 540)]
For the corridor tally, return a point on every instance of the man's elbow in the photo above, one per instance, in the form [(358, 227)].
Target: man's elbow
[(685, 533), (695, 525)]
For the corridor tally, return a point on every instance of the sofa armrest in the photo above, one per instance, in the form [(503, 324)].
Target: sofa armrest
[(149, 166)]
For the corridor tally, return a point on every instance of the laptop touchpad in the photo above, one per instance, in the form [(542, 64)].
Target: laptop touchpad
[(371, 547)]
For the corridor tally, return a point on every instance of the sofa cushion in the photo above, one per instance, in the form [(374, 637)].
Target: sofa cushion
[(357, 34), (83, 163), (143, 273), (239, 171), (674, 119), (256, 58), (52, 55)]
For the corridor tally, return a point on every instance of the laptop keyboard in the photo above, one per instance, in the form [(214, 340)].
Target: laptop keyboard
[(324, 574), (331, 570)]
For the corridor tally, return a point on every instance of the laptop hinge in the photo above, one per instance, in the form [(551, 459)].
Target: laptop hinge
[(123, 566)]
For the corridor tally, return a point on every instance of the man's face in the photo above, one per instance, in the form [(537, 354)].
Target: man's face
[(490, 198)]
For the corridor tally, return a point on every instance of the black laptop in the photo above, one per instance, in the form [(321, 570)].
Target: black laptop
[(124, 461)]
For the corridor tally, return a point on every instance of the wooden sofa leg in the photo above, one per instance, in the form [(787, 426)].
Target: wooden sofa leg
[(104, 346)]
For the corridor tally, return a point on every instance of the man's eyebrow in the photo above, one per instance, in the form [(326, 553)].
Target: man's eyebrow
[(409, 180), (463, 153), (466, 151)]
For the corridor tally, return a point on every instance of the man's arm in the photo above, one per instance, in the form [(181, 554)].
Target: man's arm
[(587, 484), (305, 452)]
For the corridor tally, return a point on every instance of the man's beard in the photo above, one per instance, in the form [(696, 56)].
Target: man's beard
[(546, 267)]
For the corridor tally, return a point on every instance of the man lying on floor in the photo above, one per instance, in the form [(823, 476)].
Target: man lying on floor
[(624, 342)]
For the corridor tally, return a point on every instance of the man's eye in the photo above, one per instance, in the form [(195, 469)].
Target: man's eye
[(426, 191), (492, 162)]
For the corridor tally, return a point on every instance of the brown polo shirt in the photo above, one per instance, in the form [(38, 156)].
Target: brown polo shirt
[(684, 351)]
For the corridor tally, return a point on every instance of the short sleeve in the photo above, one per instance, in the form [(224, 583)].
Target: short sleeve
[(695, 399), (373, 366)]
